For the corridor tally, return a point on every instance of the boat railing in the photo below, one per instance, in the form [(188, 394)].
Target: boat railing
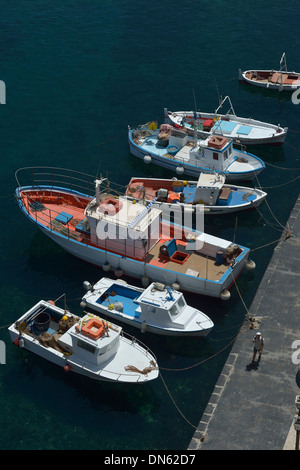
[(56, 176), (47, 218), (64, 178)]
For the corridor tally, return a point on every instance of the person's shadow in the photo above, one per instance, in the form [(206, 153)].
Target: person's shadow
[(253, 365)]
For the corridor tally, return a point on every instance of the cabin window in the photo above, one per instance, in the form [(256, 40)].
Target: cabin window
[(230, 150), (173, 311), (215, 156), (181, 303), (86, 346), (225, 154)]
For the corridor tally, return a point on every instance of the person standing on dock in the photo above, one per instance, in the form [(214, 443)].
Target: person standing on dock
[(258, 341)]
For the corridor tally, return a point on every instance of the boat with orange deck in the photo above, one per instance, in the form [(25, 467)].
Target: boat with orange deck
[(210, 190), (281, 80), (127, 236)]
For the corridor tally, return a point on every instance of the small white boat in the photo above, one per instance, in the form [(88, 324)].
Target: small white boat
[(173, 149), (89, 346), (210, 191), (242, 130), (281, 79), (158, 308)]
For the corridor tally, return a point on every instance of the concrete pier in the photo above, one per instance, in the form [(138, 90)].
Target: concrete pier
[(253, 406)]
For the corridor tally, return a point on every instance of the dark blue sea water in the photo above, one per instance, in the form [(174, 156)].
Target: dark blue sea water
[(77, 74)]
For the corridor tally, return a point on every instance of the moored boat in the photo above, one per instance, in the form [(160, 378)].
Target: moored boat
[(210, 191), (88, 346), (246, 131), (175, 150), (281, 79), (158, 308), (128, 237)]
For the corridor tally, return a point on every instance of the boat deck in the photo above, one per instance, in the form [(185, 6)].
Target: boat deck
[(58, 213), (196, 264), (123, 294)]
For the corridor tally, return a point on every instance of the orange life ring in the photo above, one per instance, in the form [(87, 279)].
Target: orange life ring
[(110, 206), (94, 328), (217, 141)]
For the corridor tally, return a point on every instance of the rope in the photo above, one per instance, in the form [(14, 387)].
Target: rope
[(280, 185), (267, 203), (177, 408), (281, 167)]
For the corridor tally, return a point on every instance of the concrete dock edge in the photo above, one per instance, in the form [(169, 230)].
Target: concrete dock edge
[(252, 407)]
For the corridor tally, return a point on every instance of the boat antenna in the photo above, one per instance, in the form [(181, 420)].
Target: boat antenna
[(195, 103), (100, 163), (235, 228), (219, 96), (195, 120)]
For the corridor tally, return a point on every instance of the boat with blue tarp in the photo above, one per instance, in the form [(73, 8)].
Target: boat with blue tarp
[(158, 308)]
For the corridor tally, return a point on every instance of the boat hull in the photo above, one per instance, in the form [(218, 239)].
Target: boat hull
[(138, 269), (269, 134), (113, 369), (146, 326), (135, 268), (207, 209), (269, 85), (191, 170)]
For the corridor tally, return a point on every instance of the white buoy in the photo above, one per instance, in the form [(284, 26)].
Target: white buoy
[(147, 159), (21, 342), (119, 272), (87, 285), (83, 304), (225, 294), (179, 170), (106, 266), (250, 265), (176, 286), (145, 281)]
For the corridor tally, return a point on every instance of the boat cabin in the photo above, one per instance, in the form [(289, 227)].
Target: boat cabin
[(208, 189), (90, 341), (214, 152), (122, 226), (161, 303)]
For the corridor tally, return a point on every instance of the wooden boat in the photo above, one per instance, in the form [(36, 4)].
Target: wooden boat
[(128, 237), (88, 346), (210, 191), (173, 149), (246, 131), (281, 79), (158, 308)]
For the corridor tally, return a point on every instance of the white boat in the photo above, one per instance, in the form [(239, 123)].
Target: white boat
[(210, 190), (158, 308), (128, 237), (173, 149), (281, 79), (246, 131), (89, 346)]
